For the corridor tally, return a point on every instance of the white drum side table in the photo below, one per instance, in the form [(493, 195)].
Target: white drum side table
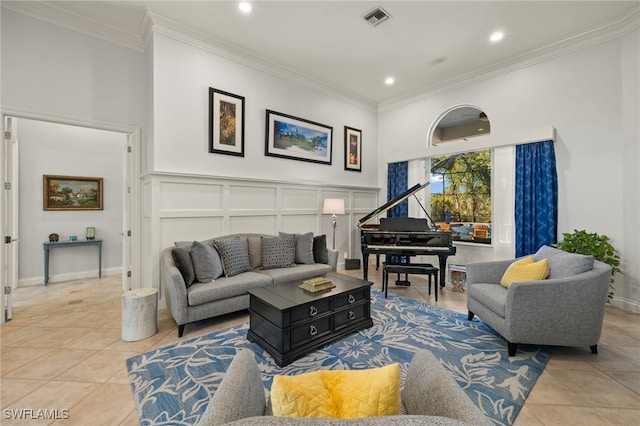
[(139, 314)]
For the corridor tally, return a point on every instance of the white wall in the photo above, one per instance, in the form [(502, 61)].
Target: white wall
[(591, 97), (48, 68), (54, 149), (182, 75)]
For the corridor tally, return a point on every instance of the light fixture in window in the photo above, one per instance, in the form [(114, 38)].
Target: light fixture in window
[(389, 81), (497, 36), (245, 7)]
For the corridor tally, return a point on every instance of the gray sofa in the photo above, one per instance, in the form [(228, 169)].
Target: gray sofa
[(567, 309), (430, 397), (190, 299)]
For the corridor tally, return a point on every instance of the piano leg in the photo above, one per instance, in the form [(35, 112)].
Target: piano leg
[(442, 260), (365, 266)]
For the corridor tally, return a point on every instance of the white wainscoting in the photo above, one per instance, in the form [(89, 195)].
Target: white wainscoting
[(179, 207)]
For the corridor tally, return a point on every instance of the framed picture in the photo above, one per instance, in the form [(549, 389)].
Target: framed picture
[(352, 149), (297, 139), (72, 193), (226, 123)]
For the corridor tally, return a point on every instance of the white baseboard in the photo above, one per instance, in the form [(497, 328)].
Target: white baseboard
[(627, 305), (80, 275)]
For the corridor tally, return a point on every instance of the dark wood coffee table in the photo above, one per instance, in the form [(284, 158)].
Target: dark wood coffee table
[(289, 322)]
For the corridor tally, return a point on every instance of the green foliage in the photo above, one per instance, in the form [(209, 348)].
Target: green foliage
[(468, 194), (598, 246)]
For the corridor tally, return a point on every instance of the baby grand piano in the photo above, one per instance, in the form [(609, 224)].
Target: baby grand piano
[(404, 236)]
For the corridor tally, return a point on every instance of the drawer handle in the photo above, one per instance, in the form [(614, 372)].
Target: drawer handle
[(313, 330), (352, 315), (313, 311), (351, 298)]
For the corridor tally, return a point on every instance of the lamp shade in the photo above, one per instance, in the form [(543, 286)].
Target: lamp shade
[(333, 206)]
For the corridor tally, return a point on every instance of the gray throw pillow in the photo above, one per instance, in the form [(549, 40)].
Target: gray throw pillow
[(206, 262), (563, 264), (182, 257), (235, 259), (304, 247), (278, 252), (320, 252)]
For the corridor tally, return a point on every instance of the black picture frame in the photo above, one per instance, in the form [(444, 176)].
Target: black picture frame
[(226, 123), (296, 138), (352, 149)]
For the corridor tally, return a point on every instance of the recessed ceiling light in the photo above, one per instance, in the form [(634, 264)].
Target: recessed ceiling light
[(389, 81), (245, 7), (497, 36)]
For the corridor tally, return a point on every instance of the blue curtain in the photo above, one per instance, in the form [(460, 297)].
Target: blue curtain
[(536, 204), (397, 181)]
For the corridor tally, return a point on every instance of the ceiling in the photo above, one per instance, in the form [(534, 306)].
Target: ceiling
[(426, 46)]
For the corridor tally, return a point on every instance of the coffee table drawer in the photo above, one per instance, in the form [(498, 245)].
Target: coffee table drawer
[(352, 297), (310, 311), (311, 331), (351, 315)]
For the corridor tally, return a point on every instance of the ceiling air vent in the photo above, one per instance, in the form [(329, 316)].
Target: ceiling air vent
[(377, 16)]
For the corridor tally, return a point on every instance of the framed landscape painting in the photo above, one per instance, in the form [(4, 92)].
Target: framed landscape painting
[(297, 139), (72, 193), (226, 123), (352, 149)]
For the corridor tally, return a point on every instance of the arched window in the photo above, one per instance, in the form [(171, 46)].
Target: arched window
[(461, 182)]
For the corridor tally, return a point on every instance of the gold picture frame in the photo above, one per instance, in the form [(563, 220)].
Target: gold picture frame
[(72, 193)]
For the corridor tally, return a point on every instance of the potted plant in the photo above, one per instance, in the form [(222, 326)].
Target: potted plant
[(598, 246)]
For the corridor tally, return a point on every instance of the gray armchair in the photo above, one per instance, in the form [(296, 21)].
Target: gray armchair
[(430, 397), (567, 309)]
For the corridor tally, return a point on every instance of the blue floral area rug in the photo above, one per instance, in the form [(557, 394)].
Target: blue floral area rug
[(173, 385)]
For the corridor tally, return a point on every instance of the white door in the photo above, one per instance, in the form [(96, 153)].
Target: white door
[(9, 252)]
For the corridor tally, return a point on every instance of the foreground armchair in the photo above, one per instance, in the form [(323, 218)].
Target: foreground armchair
[(430, 397), (566, 309)]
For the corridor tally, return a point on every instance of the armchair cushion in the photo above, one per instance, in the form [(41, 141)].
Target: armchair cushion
[(345, 394), (563, 264), (525, 269)]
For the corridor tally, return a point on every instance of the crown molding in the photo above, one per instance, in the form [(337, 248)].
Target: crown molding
[(56, 14), (609, 31), (169, 28)]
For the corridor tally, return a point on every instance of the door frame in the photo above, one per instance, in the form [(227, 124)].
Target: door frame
[(130, 190)]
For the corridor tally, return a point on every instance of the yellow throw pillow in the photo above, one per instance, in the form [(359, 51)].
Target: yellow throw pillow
[(344, 394), (525, 269)]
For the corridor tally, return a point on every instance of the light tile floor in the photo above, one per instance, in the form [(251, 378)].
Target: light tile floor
[(62, 351)]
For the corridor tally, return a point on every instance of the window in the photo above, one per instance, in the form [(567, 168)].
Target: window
[(461, 195)]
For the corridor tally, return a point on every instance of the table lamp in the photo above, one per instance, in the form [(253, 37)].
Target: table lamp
[(333, 206)]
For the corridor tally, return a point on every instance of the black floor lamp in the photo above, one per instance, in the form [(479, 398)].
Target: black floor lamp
[(333, 206)]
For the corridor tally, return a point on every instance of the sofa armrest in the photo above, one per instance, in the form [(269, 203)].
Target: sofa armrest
[(175, 290), (240, 394), (429, 390), (487, 272), (333, 258)]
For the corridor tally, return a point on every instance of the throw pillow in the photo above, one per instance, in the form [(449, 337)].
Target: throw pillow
[(525, 269), (235, 259), (345, 394), (254, 247), (206, 262), (320, 252), (182, 257), (563, 264), (278, 252), (304, 248)]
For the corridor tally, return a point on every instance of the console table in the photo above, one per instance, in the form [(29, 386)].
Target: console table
[(62, 244)]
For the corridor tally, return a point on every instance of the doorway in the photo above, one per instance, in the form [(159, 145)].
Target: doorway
[(57, 146)]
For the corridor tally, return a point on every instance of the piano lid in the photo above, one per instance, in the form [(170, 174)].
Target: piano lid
[(392, 203)]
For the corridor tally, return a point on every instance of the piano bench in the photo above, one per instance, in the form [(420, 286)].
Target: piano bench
[(409, 268)]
